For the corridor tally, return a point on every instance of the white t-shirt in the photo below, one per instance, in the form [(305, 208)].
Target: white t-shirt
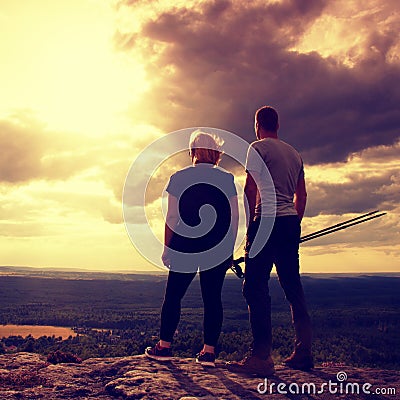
[(285, 167)]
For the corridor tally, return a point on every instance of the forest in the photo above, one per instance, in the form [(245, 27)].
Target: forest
[(355, 318)]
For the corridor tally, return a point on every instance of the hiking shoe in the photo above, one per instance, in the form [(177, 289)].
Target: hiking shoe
[(252, 365), (302, 362), (206, 359), (159, 353)]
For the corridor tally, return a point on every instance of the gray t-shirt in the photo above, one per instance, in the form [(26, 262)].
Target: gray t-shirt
[(285, 167)]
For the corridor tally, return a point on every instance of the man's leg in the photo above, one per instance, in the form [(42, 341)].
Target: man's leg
[(287, 267), (293, 289), (256, 293), (255, 290)]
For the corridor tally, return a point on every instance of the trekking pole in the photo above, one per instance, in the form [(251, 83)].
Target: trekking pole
[(237, 269), (342, 225)]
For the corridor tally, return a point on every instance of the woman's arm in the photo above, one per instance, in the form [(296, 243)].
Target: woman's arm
[(171, 221), (233, 201)]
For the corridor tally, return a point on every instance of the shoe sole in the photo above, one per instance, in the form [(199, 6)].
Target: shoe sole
[(159, 358), (206, 363)]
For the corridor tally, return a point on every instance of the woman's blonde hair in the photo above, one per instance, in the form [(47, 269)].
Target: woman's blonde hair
[(205, 147)]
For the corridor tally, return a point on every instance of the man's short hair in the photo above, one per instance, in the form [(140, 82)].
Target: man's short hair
[(267, 118)]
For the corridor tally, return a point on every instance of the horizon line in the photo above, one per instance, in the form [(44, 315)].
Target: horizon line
[(163, 272)]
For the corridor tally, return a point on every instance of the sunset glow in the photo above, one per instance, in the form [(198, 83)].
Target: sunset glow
[(86, 85)]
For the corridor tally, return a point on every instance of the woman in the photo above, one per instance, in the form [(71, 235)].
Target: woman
[(200, 233)]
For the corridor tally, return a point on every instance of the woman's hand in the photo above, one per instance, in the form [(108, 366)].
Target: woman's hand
[(165, 257)]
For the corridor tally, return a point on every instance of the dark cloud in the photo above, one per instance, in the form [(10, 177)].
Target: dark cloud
[(370, 180), (359, 194), (215, 63), (381, 154)]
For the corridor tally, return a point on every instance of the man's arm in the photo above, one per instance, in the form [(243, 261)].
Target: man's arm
[(300, 197), (171, 221), (250, 195)]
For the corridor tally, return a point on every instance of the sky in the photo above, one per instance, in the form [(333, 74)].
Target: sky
[(87, 85)]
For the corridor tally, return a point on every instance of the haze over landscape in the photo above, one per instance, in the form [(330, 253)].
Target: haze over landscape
[(87, 85)]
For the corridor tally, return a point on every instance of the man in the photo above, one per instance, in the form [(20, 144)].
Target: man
[(285, 167)]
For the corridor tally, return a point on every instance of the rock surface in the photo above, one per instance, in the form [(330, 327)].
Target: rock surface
[(29, 376)]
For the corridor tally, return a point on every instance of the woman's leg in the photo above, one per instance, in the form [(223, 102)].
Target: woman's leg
[(177, 285), (211, 282)]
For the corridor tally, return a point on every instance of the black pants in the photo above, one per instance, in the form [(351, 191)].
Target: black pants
[(281, 249), (211, 282)]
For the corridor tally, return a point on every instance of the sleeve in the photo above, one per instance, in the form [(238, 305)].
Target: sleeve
[(172, 186), (254, 163)]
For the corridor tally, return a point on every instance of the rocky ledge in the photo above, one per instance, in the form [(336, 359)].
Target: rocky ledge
[(30, 376)]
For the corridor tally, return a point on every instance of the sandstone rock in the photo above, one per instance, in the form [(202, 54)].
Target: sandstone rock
[(29, 376)]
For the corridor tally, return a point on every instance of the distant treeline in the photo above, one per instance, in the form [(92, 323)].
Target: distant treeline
[(356, 320)]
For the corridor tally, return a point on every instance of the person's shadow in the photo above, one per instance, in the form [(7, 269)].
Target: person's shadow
[(186, 382), (245, 393), (248, 392)]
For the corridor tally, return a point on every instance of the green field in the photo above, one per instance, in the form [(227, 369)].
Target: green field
[(356, 319)]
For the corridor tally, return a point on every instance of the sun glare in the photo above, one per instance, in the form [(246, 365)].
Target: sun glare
[(64, 66)]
